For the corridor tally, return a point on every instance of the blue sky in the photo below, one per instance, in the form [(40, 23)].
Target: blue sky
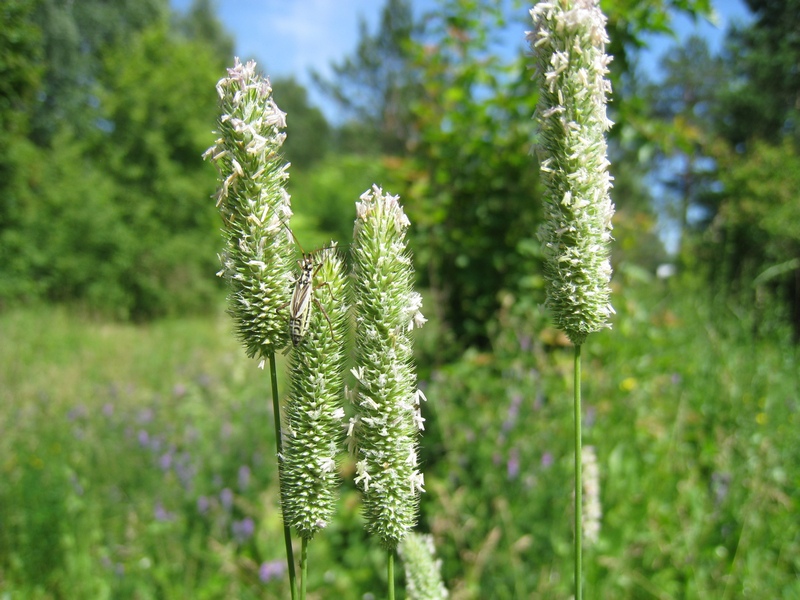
[(290, 37), (726, 13)]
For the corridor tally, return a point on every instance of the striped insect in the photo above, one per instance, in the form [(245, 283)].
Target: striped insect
[(303, 297)]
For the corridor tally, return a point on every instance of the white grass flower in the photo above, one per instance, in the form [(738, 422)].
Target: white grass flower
[(423, 569), (314, 408), (569, 48), (384, 438), (255, 208), (592, 510)]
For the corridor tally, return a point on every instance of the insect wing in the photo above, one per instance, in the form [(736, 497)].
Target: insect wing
[(300, 305)]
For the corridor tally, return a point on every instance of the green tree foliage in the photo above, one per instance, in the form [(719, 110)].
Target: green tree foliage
[(764, 102), (475, 184), (375, 85), (21, 50), (308, 132), (324, 196), (159, 104), (60, 238), (754, 239), (76, 35), (471, 187), (200, 23), (111, 208), (682, 108), (21, 67), (751, 242)]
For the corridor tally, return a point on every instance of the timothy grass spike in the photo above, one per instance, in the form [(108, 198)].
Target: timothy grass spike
[(384, 433)]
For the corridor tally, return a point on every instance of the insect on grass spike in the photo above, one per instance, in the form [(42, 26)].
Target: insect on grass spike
[(302, 298), (300, 305)]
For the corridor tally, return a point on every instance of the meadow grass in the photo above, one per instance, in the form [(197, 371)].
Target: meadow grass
[(138, 461), (694, 423)]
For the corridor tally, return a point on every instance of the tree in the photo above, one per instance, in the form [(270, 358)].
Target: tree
[(683, 103), (21, 50), (308, 132), (375, 85), (21, 68), (752, 240), (112, 209), (764, 102), (474, 201), (159, 105), (471, 187), (76, 35), (200, 24)]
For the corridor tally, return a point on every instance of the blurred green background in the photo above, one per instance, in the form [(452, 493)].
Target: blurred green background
[(136, 449)]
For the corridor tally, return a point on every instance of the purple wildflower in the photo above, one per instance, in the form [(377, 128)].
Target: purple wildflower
[(226, 497), (165, 461), (244, 478), (271, 570), (77, 412), (513, 464), (156, 442), (146, 415), (185, 470), (525, 342), (513, 412), (162, 514), (243, 530), (143, 437), (720, 483)]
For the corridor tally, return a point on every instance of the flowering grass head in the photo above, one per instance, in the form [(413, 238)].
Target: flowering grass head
[(592, 509), (423, 569), (383, 435), (568, 43), (314, 408), (255, 208)]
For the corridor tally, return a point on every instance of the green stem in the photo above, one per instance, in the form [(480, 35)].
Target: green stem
[(578, 478), (303, 568), (276, 409), (390, 572)]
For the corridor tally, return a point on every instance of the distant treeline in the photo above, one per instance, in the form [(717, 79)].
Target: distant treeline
[(106, 203), (105, 112)]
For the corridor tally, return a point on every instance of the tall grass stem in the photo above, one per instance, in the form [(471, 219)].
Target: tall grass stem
[(303, 568), (287, 533), (313, 409), (578, 478), (390, 572)]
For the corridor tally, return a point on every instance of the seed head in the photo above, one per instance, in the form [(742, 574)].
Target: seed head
[(383, 435), (314, 409), (255, 208), (592, 510), (568, 44), (423, 569)]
